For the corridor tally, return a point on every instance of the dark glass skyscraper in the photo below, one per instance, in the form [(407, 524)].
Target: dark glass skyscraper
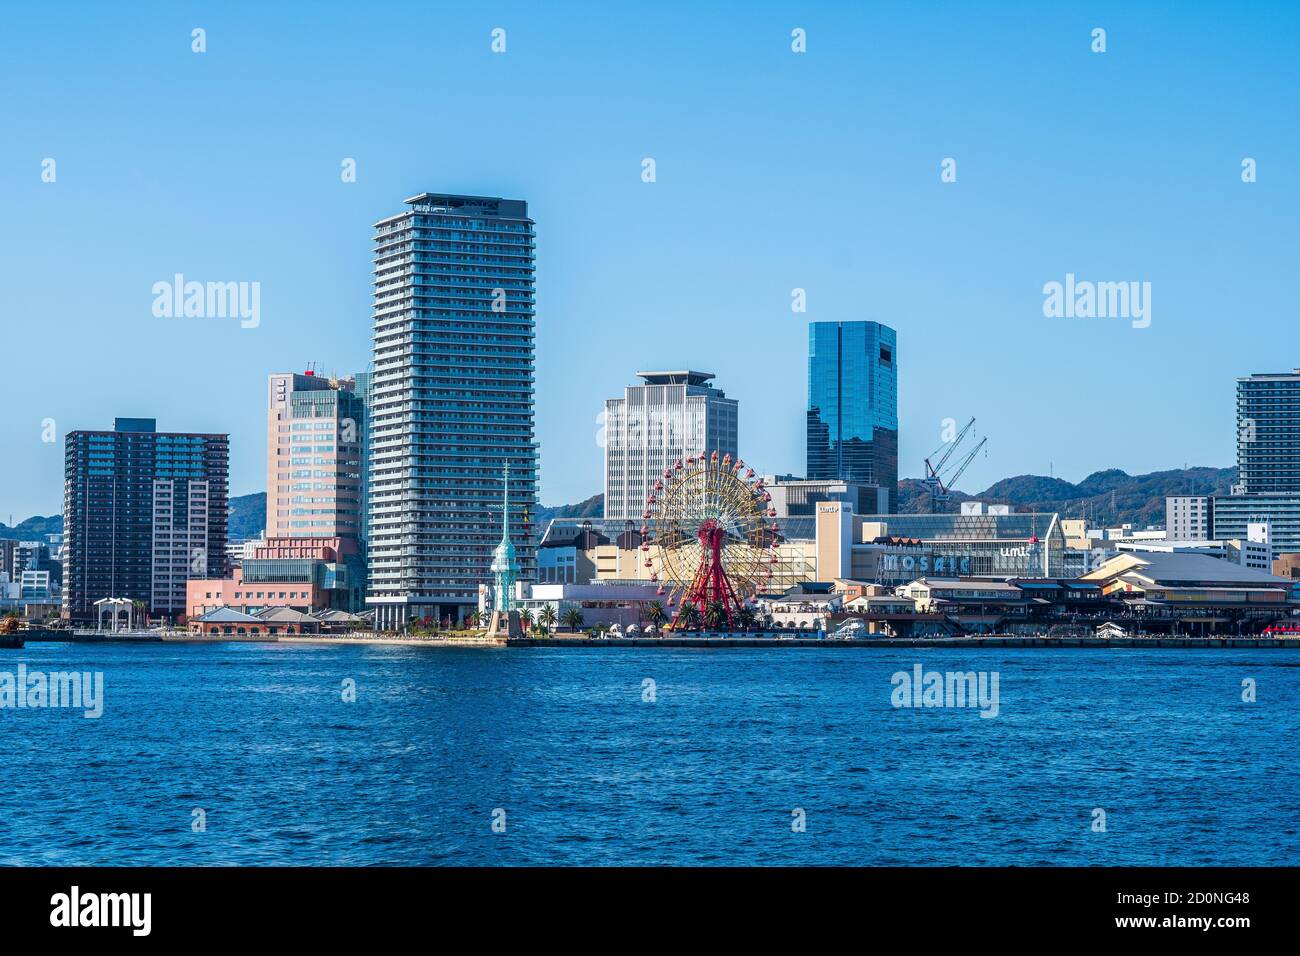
[(143, 512), (853, 404)]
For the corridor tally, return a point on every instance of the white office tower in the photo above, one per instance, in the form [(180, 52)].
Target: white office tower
[(674, 415), (1189, 517)]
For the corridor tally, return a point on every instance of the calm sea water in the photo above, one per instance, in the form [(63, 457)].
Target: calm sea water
[(587, 772)]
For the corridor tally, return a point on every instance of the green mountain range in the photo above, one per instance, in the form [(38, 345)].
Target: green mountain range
[(593, 507), (247, 519), (33, 529), (247, 516), (1105, 498)]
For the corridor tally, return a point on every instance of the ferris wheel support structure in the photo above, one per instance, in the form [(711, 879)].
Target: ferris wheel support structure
[(711, 584), (707, 520)]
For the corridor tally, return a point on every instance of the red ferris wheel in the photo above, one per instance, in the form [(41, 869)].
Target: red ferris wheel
[(709, 537)]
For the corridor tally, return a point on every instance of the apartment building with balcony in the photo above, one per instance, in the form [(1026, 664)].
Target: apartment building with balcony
[(451, 402), (143, 512)]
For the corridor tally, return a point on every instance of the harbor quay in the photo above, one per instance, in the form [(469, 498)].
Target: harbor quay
[(981, 640), (739, 639)]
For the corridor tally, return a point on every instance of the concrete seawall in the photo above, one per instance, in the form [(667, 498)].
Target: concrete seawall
[(880, 642), (703, 641), (93, 637), (184, 637)]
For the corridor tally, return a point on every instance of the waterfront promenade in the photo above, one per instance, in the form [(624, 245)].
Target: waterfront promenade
[(706, 640), (985, 640)]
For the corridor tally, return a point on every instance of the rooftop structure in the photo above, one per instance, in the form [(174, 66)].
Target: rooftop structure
[(1180, 570), (679, 377)]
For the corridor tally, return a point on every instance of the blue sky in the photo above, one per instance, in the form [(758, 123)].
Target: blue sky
[(775, 170)]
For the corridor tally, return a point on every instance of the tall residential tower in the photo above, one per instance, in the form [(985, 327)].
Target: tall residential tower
[(451, 402), (1267, 489), (853, 404), (1268, 434), (143, 512)]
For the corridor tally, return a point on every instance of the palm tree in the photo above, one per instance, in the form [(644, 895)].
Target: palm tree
[(526, 619), (689, 616), (471, 619), (745, 617), (656, 614), (548, 616), (572, 618), (715, 615)]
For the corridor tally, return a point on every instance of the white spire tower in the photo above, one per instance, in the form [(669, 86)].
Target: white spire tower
[(505, 567)]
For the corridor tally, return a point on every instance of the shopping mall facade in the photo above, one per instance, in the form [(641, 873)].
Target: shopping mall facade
[(874, 547)]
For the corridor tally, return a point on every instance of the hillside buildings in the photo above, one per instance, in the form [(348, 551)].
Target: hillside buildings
[(31, 577), (8, 548), (451, 402), (670, 417), (144, 511)]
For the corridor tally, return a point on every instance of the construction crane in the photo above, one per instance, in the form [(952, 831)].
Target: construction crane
[(939, 478)]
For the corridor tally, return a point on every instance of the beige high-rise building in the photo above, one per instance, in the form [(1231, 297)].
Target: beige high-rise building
[(315, 458)]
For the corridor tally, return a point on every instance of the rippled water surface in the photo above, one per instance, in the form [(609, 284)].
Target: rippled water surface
[(586, 771)]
